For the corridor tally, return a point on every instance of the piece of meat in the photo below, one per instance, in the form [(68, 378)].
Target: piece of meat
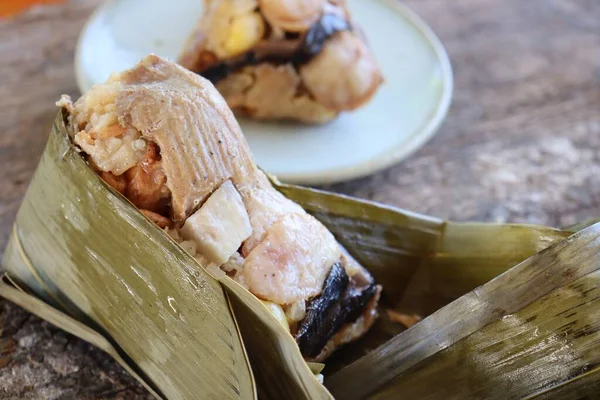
[(178, 110), (265, 206), (291, 15), (220, 226), (116, 182), (344, 75), (292, 260), (147, 183), (162, 222), (259, 102)]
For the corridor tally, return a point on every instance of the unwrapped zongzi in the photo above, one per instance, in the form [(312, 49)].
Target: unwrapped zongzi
[(305, 60), (165, 139)]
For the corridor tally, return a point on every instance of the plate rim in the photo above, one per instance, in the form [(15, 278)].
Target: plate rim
[(386, 160)]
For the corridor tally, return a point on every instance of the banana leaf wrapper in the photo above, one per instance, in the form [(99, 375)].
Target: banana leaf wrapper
[(83, 258)]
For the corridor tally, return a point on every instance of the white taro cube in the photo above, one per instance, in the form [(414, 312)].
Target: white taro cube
[(220, 226)]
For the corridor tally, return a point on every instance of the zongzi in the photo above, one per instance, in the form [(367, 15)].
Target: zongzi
[(305, 60), (165, 139)]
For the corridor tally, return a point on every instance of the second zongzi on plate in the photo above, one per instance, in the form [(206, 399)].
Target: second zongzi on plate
[(302, 60)]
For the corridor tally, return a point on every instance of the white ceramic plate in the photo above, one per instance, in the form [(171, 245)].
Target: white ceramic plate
[(403, 115)]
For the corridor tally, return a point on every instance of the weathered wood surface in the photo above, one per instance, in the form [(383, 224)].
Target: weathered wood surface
[(521, 143)]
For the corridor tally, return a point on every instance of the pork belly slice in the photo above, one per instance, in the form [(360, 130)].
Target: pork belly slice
[(265, 206), (292, 260)]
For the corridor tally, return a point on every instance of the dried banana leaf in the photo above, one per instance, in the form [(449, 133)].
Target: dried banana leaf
[(423, 262), (532, 332), (86, 251), (83, 249), (279, 368)]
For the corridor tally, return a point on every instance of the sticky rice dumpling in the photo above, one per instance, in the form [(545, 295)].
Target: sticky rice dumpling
[(165, 139), (304, 60)]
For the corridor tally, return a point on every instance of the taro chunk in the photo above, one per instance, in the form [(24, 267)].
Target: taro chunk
[(220, 226)]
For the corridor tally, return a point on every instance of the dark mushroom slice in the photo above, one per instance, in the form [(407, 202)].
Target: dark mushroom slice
[(342, 301)]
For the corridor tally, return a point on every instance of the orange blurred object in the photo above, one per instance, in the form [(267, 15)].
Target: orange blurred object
[(12, 7)]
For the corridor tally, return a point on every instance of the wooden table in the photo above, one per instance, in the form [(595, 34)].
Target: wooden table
[(521, 143)]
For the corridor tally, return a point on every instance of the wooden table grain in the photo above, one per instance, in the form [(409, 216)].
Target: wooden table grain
[(521, 144)]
